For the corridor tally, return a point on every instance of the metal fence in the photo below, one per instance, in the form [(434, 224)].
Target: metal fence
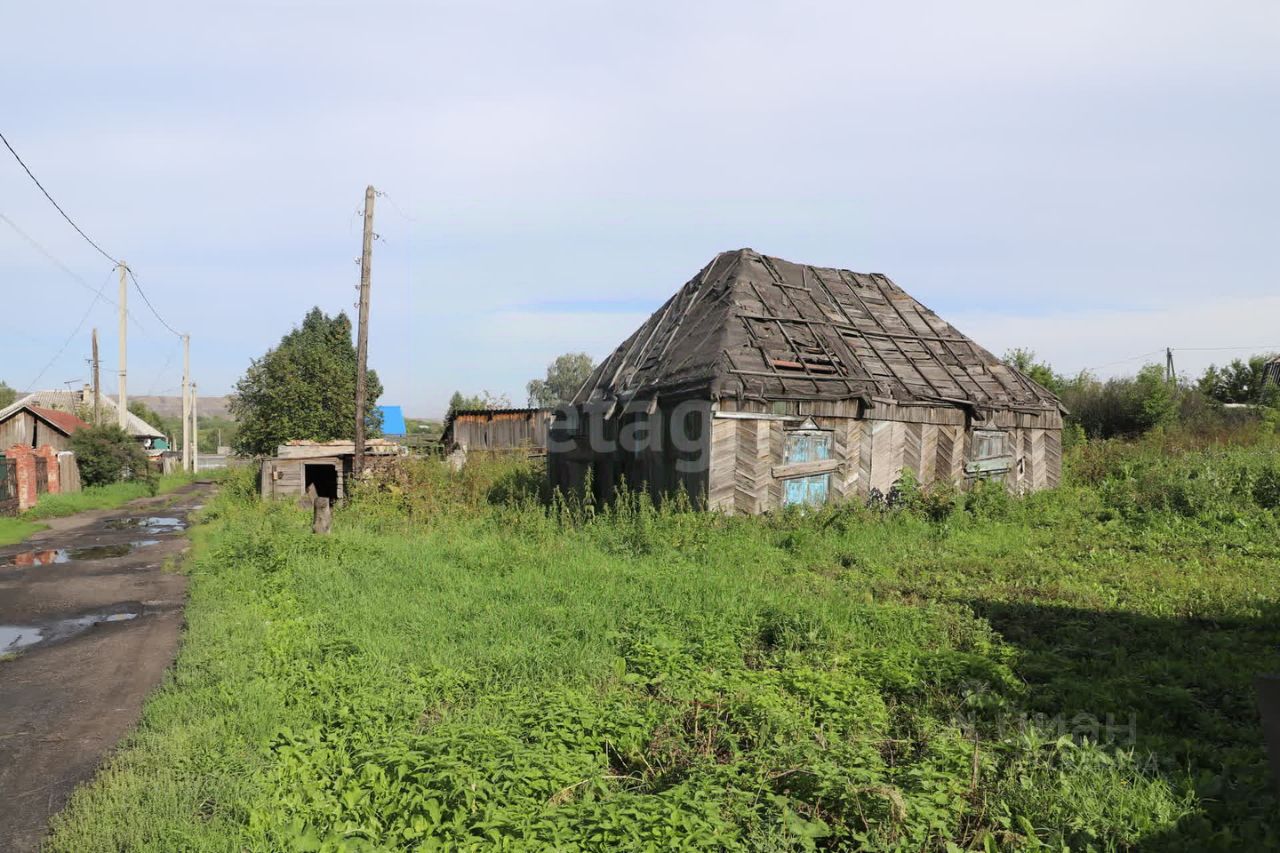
[(8, 487)]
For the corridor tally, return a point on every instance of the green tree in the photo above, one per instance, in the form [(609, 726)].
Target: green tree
[(1025, 361), (1241, 381), (7, 395), (303, 388), (460, 402), (565, 376), (108, 454)]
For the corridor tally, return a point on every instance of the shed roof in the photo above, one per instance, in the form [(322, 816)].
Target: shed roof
[(71, 401), (761, 327), (65, 422)]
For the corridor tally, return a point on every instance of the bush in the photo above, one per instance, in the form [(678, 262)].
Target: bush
[(107, 454)]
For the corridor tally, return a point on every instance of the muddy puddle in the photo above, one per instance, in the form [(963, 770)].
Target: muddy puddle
[(54, 556), (17, 637), (148, 524)]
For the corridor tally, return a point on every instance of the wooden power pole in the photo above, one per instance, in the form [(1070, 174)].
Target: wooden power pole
[(362, 336), (186, 402), (97, 382), (124, 348)]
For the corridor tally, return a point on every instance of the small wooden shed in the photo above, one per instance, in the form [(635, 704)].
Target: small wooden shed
[(317, 468), (36, 426), (763, 383)]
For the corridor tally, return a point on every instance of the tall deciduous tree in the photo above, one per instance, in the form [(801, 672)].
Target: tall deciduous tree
[(7, 395), (565, 376), (304, 388)]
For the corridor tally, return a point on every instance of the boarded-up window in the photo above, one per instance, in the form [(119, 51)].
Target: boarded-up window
[(807, 446), (991, 454), (806, 491)]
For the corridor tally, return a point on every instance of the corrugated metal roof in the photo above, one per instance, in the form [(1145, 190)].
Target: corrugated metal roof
[(75, 401), (66, 422)]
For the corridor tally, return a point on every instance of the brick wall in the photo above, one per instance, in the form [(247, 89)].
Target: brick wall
[(26, 469)]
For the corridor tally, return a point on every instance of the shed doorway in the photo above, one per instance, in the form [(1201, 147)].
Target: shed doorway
[(324, 478)]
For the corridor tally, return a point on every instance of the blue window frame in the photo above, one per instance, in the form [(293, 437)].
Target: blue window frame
[(807, 446), (806, 491)]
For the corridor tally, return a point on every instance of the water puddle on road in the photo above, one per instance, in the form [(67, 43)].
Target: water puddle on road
[(17, 637), (148, 524), (54, 556)]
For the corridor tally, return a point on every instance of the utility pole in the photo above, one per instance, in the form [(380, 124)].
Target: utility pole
[(124, 347), (362, 336), (1169, 374), (195, 433), (186, 402), (97, 387)]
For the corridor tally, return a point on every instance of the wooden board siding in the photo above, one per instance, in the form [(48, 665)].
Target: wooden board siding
[(747, 471), (501, 430), (24, 428), (291, 479)]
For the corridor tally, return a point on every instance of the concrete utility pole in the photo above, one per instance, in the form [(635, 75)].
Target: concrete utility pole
[(362, 336), (124, 347), (1169, 374), (97, 386), (195, 432), (186, 402)]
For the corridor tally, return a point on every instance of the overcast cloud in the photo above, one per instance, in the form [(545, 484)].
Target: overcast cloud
[(1091, 180)]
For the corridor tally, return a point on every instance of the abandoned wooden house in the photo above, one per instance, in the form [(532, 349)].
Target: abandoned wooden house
[(318, 468), (497, 430), (1271, 372), (763, 383)]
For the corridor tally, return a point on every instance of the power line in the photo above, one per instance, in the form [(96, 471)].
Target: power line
[(87, 238), (143, 294), (34, 382), (58, 207)]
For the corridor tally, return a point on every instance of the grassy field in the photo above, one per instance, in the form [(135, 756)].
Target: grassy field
[(457, 667), (13, 530), (102, 497)]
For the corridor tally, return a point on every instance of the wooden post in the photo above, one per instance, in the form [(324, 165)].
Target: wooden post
[(97, 382), (321, 516), (124, 348), (362, 335)]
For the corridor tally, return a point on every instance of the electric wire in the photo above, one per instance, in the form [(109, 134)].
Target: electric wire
[(87, 238), (34, 386)]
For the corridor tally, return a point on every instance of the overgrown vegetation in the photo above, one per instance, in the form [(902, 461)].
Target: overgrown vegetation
[(104, 497), (1130, 406), (107, 454), (459, 667)]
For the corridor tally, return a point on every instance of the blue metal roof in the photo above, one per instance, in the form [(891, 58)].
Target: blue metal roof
[(392, 420)]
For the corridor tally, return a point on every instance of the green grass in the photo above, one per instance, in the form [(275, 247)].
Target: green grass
[(102, 497), (1070, 670), (14, 530)]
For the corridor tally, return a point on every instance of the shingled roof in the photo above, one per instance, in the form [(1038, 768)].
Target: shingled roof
[(759, 327)]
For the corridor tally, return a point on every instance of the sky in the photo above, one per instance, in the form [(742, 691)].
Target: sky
[(1094, 181)]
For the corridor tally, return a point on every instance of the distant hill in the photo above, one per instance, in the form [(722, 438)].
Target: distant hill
[(171, 407)]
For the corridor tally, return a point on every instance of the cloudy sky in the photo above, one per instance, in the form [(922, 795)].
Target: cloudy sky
[(1094, 181)]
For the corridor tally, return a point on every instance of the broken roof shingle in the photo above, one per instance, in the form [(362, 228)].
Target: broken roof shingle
[(766, 328)]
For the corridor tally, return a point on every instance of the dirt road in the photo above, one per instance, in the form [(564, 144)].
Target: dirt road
[(89, 621)]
